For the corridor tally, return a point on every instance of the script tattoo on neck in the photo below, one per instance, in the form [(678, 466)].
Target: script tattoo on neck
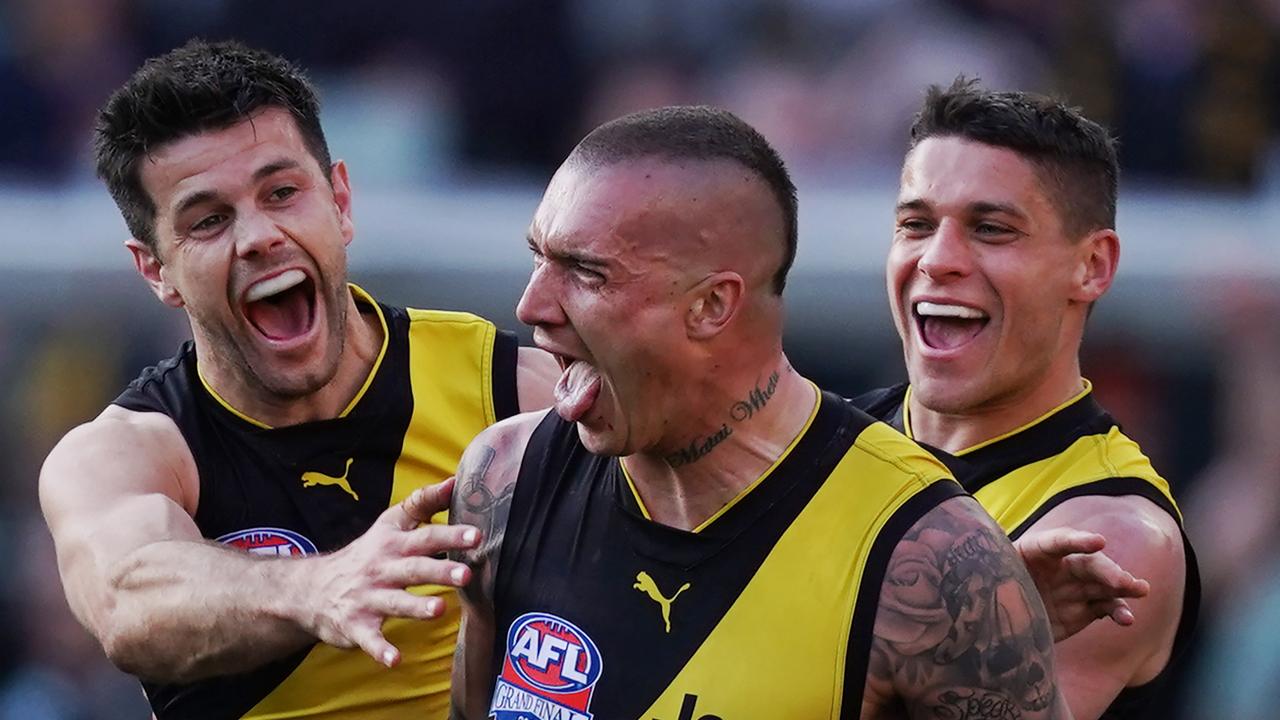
[(758, 397), (741, 411), (698, 449)]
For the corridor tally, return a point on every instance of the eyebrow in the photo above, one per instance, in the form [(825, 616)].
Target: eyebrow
[(562, 255), (202, 196), (982, 207)]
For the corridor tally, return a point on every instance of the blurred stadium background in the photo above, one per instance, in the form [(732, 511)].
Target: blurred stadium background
[(452, 115)]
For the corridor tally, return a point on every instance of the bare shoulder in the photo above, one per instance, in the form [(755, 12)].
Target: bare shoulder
[(1141, 536), (119, 453), (485, 487), (537, 372), (960, 630), (1146, 541)]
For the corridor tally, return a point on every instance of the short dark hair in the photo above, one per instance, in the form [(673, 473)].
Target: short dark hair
[(197, 87), (698, 133), (1075, 155)]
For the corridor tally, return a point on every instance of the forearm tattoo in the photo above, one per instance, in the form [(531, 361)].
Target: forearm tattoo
[(961, 627)]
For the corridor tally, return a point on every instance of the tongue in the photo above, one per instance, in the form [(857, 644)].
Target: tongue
[(948, 333), (282, 316), (576, 392)]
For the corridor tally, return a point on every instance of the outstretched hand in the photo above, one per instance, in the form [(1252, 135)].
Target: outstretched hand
[(1076, 580), (354, 589)]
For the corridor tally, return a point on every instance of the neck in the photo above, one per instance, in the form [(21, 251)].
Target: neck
[(362, 343), (956, 431), (745, 430)]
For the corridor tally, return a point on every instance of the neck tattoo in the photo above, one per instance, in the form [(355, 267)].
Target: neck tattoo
[(740, 412)]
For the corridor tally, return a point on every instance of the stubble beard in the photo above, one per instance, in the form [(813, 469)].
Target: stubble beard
[(230, 346)]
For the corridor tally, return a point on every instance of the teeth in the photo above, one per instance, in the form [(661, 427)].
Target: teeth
[(273, 285), (929, 309)]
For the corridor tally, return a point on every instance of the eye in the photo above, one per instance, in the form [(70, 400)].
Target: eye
[(915, 226), (208, 223), (590, 276), (994, 232), (283, 193)]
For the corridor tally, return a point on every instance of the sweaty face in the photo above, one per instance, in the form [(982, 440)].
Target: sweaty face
[(607, 298), (252, 241), (979, 278)]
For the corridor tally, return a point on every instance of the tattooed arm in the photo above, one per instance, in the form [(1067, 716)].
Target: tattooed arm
[(482, 497), (960, 632)]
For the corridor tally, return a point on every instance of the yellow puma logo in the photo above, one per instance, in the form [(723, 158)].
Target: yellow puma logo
[(312, 478), (646, 585)]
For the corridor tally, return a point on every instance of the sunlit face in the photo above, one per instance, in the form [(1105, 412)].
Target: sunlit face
[(608, 290), (981, 277), (251, 241)]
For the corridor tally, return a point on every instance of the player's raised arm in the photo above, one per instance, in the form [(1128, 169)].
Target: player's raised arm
[(960, 631), (119, 494), (484, 487)]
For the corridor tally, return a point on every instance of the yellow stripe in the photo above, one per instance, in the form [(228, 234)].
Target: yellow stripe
[(795, 615), (755, 483), (1016, 496), (906, 418), (450, 375), (361, 296)]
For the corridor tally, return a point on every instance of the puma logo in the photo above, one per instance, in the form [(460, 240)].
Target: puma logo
[(313, 478), (646, 585)]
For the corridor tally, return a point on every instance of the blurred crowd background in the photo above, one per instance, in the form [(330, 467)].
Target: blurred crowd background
[(452, 115)]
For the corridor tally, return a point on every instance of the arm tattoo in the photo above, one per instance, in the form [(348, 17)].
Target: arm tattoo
[(477, 503), (961, 632), (741, 411)]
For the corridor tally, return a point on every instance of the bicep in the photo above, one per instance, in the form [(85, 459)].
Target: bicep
[(482, 497), (960, 626), (108, 488), (1100, 661), (472, 674)]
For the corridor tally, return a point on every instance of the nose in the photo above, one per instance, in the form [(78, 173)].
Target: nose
[(256, 234), (539, 305), (946, 253)]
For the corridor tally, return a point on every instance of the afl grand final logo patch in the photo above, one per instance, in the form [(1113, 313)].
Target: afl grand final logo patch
[(549, 671), (269, 541)]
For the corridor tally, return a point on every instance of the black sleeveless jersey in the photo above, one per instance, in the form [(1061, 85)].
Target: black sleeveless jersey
[(440, 378), (766, 610), (1075, 450)]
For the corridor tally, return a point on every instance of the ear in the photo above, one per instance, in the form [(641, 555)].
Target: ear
[(713, 303), (154, 272), (342, 199), (1099, 256)]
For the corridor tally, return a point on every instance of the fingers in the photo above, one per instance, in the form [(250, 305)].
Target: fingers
[(367, 634), (420, 505), (424, 570), (435, 539), (1116, 609), (1098, 569), (1061, 542)]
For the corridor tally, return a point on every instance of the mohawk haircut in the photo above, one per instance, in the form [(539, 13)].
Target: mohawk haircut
[(699, 133), (198, 87), (1075, 156)]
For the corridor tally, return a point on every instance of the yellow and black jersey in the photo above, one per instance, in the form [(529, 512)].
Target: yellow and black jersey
[(440, 378), (764, 611), (1077, 449)]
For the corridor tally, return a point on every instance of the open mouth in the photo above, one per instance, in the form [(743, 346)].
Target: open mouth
[(945, 326), (282, 307), (577, 389)]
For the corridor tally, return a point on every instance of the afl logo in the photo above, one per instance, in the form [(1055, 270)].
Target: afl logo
[(553, 654), (269, 541)]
